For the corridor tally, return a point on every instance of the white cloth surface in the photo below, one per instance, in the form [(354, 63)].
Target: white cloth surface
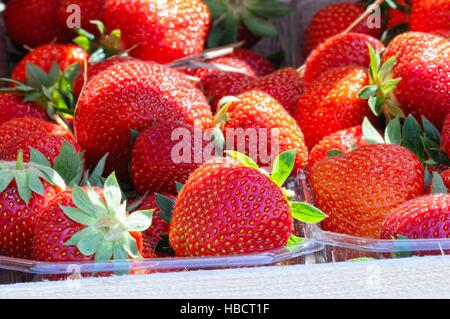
[(420, 277)]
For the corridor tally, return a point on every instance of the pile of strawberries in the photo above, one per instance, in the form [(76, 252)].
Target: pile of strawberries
[(90, 165)]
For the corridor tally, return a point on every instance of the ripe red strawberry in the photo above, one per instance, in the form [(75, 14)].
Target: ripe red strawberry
[(93, 70), (358, 189), (268, 129), (89, 10), (156, 237), (33, 22), (423, 64), (424, 217), (22, 203), (334, 19), (87, 224), (45, 56), (12, 106), (163, 31), (348, 49), (430, 15), (446, 136), (154, 168), (20, 134), (344, 141), (130, 96), (284, 85), (331, 103), (229, 208)]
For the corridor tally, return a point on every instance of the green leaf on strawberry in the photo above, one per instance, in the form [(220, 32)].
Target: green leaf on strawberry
[(108, 226), (438, 185), (307, 213), (29, 177), (283, 166)]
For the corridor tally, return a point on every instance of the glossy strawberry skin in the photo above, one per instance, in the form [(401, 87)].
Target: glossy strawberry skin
[(45, 56), (89, 10), (284, 85), (331, 103), (343, 141), (153, 167), (423, 63), (11, 106), (23, 133), (446, 136), (93, 70), (164, 30), (349, 49), (360, 188), (54, 228), (256, 110), (332, 20), (130, 96), (151, 237), (18, 220), (228, 209), (426, 217), (430, 15), (33, 22)]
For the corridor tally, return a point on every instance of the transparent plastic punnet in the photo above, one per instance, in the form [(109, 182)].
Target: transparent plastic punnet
[(341, 247), (14, 270)]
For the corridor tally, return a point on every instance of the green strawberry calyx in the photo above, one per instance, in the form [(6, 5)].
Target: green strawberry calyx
[(29, 177), (107, 234), (255, 15), (424, 141), (380, 91), (102, 47), (437, 184), (53, 91), (282, 169)]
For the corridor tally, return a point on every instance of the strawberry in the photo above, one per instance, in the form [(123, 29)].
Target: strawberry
[(424, 217), (343, 141), (228, 207), (358, 189), (12, 106), (131, 95), (87, 224), (267, 127), (348, 49), (25, 190), (248, 21), (156, 237), (161, 31), (45, 57), (33, 22), (423, 65), (154, 167), (20, 134), (334, 19), (331, 103), (93, 70), (445, 146), (430, 15), (285, 85), (88, 9)]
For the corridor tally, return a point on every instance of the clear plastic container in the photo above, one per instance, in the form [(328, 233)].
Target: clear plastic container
[(20, 270), (342, 247)]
